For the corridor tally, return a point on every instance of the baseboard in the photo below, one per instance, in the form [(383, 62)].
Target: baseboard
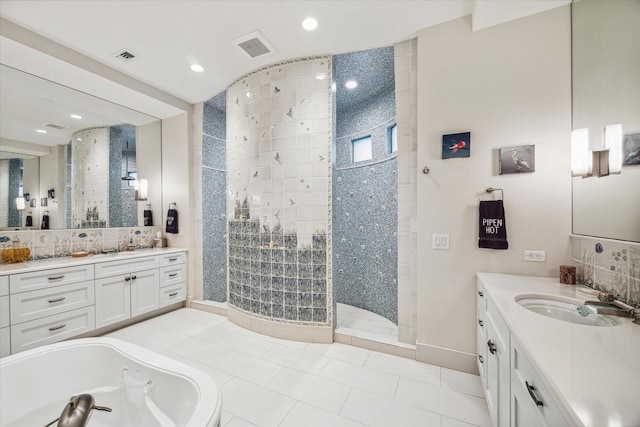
[(446, 358), (214, 307)]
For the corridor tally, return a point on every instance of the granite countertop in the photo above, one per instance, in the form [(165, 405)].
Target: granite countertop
[(43, 264), (593, 372)]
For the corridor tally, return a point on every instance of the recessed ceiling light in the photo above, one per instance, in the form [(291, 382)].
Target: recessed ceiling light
[(78, 139), (76, 116), (41, 131), (320, 76), (197, 68), (351, 84), (248, 94), (309, 24)]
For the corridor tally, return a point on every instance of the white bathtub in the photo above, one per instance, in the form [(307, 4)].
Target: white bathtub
[(142, 387)]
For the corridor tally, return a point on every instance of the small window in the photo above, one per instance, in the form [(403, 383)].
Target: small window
[(362, 149), (392, 139)]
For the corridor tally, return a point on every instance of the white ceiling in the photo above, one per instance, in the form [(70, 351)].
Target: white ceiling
[(168, 36)]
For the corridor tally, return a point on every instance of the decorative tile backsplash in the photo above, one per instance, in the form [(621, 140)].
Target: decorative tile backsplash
[(61, 243), (608, 266)]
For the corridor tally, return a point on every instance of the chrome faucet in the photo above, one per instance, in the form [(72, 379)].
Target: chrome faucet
[(77, 411), (609, 305)]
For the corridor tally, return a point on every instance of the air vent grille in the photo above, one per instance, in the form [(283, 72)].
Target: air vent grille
[(254, 44), (125, 55), (56, 126)]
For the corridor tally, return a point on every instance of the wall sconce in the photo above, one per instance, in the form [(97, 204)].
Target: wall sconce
[(580, 157), (51, 193), (587, 163), (20, 205), (613, 142), (27, 196), (141, 189)]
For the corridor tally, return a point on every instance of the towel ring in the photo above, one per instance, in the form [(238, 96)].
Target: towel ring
[(491, 190), (174, 204)]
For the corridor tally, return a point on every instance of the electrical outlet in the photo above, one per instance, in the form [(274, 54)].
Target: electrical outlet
[(535, 256), (440, 241)]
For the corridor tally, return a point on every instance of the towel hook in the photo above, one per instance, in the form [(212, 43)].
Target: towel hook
[(491, 190)]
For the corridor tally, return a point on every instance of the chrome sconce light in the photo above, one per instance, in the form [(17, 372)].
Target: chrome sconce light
[(587, 163)]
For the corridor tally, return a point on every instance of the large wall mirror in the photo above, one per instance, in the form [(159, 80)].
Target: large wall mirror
[(606, 91), (80, 160)]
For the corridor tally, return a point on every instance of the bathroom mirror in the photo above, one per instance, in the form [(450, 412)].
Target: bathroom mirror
[(91, 152), (606, 90)]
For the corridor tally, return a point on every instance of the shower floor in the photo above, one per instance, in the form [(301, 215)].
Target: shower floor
[(354, 319)]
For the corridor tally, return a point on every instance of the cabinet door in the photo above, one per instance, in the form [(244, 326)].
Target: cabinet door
[(145, 292), (497, 368), (113, 300)]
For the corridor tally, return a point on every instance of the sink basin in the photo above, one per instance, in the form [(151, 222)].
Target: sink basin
[(565, 309)]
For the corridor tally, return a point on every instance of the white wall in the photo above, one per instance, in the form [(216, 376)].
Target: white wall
[(148, 143), (53, 168), (508, 85)]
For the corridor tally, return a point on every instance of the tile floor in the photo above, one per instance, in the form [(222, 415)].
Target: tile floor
[(362, 323), (273, 382)]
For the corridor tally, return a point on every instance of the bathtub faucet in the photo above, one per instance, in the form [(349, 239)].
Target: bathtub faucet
[(78, 411)]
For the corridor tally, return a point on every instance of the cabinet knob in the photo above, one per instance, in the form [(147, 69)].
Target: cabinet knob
[(481, 359), (134, 277), (531, 390), (126, 279), (492, 347), (481, 294), (480, 322)]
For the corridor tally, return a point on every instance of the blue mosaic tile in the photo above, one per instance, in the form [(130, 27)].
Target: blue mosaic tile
[(215, 116), (214, 228)]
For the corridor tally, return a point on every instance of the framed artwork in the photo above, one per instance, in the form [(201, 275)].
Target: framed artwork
[(631, 149), (456, 145), (518, 159), (33, 203), (43, 201)]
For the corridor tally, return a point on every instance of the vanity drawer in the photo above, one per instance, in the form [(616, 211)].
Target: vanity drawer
[(51, 329), (129, 265), (173, 294), (173, 259), (33, 305), (35, 280), (4, 285), (173, 275), (5, 342), (4, 311)]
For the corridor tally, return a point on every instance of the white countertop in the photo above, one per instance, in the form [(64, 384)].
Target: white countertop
[(47, 263), (593, 372)]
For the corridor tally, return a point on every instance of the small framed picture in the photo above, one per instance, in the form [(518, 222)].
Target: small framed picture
[(43, 201), (33, 203), (456, 145), (631, 149), (518, 159)]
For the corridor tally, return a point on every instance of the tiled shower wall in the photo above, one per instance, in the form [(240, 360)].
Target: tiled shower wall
[(608, 265), (278, 192), (10, 170), (406, 59), (214, 206), (365, 203)]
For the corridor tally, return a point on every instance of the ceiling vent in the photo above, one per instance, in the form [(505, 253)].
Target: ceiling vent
[(125, 55), (56, 126), (254, 44)]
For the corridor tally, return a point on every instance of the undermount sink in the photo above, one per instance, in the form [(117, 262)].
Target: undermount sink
[(565, 309)]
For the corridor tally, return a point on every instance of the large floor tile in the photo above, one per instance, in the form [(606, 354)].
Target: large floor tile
[(252, 346), (305, 415), (202, 352), (311, 389), (376, 411), (248, 368), (339, 351), (450, 422), (367, 379), (404, 367), (460, 406), (255, 404), (294, 358), (462, 382)]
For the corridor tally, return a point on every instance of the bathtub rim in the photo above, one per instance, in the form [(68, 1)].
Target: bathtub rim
[(206, 388)]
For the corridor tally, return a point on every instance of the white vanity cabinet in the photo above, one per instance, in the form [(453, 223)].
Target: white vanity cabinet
[(531, 403), (5, 330), (126, 288), (50, 305), (493, 351)]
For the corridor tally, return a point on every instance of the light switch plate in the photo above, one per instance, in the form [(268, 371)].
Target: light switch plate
[(440, 241), (535, 256)]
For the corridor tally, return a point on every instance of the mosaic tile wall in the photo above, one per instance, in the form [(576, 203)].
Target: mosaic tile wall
[(365, 221), (91, 166), (123, 208), (609, 266), (278, 184), (115, 177), (214, 207), (11, 178), (61, 243)]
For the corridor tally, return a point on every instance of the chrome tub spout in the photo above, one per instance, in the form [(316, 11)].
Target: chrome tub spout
[(78, 411)]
